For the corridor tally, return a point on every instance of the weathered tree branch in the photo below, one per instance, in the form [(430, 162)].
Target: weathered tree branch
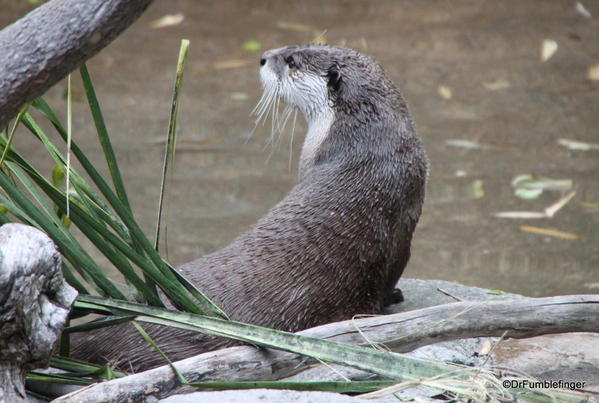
[(405, 331), (34, 305), (44, 46)]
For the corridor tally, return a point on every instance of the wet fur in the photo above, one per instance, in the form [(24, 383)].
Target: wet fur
[(336, 245)]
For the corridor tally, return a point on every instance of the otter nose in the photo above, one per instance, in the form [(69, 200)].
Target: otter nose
[(267, 55)]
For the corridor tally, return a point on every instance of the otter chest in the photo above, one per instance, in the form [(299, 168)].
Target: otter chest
[(318, 130)]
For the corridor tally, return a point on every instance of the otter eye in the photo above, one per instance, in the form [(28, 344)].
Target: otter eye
[(334, 77), (290, 62)]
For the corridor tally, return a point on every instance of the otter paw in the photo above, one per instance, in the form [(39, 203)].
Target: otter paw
[(394, 297)]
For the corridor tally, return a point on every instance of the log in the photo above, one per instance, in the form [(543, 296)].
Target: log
[(402, 332), (54, 39), (35, 302)]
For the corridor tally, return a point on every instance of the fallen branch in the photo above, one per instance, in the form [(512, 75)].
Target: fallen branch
[(402, 332), (54, 39), (34, 305)]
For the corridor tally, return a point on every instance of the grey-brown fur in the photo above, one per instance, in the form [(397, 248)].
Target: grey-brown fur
[(336, 245)]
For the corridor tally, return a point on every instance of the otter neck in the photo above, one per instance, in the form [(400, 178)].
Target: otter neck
[(319, 125)]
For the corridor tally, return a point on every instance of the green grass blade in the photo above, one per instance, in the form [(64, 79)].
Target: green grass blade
[(391, 365), (12, 132), (175, 291), (72, 280), (198, 294), (80, 184), (67, 247), (155, 346), (105, 241), (3, 218), (171, 138), (69, 140), (323, 386), (15, 169), (36, 376), (16, 210), (45, 207), (105, 142), (99, 323), (75, 366)]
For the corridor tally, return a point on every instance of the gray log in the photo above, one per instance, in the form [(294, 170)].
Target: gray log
[(54, 39), (405, 331), (34, 305)]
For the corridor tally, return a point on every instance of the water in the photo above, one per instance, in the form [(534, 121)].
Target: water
[(502, 97)]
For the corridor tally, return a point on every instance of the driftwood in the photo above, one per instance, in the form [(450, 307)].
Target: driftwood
[(34, 305), (44, 46), (405, 331)]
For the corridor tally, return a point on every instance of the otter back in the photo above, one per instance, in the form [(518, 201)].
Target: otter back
[(336, 245)]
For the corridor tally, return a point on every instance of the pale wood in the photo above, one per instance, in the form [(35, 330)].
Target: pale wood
[(405, 331), (44, 46), (34, 305)]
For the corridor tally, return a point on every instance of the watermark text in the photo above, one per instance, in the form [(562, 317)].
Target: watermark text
[(536, 384)]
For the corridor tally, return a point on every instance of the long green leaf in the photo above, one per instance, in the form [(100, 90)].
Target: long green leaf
[(12, 132), (47, 209), (69, 140), (173, 289), (72, 280), (391, 365), (171, 137), (324, 386), (96, 112), (23, 217), (67, 248), (97, 232), (99, 323)]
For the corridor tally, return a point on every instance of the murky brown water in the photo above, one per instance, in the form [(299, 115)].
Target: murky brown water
[(503, 96)]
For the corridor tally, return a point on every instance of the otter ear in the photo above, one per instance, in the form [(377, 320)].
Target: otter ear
[(334, 77)]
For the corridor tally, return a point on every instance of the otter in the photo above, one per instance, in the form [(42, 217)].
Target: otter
[(337, 244)]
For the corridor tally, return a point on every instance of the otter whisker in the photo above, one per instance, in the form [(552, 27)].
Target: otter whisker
[(270, 110), (270, 92), (264, 104), (275, 120), (260, 115), (259, 103), (264, 100), (291, 141), (282, 122)]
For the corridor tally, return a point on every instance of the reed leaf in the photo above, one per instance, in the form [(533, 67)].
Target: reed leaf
[(174, 290), (171, 137), (390, 365), (96, 111), (12, 132), (71, 250)]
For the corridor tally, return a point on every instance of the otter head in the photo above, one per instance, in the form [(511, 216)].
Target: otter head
[(323, 80), (328, 85)]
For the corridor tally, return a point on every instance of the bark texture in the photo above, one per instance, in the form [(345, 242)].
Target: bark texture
[(34, 305), (54, 39)]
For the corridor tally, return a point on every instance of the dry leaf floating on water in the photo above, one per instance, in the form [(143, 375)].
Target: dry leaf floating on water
[(445, 92), (578, 145), (460, 143), (548, 49), (550, 232), (593, 72), (168, 20), (582, 10), (497, 85)]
